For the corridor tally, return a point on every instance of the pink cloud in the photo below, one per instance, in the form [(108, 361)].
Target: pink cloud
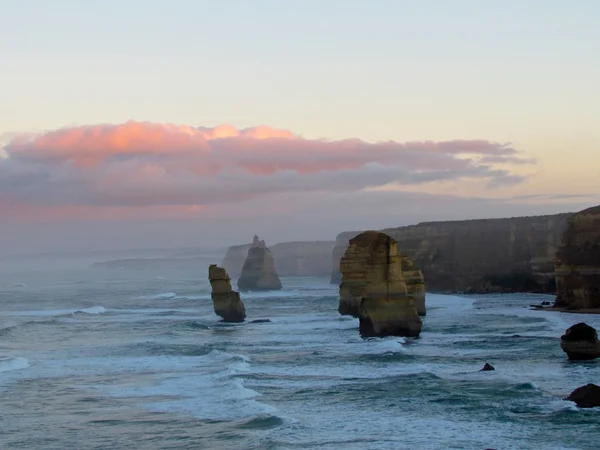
[(150, 165)]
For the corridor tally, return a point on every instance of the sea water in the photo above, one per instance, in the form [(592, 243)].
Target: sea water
[(100, 359)]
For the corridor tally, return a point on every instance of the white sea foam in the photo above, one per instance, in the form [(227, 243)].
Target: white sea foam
[(8, 364), (161, 296), (92, 310)]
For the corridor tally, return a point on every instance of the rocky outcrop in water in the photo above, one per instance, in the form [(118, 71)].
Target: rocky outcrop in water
[(455, 256), (580, 342), (587, 396), (292, 259), (578, 263), (258, 271), (226, 302), (373, 288)]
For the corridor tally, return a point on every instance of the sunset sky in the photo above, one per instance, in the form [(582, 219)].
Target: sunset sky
[(129, 124)]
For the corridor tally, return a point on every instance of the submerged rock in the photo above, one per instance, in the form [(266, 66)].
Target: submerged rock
[(577, 268), (580, 342), (226, 302), (587, 396), (374, 290), (258, 272), (487, 367), (260, 321)]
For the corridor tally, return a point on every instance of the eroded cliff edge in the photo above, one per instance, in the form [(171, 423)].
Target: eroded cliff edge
[(578, 262), (484, 255)]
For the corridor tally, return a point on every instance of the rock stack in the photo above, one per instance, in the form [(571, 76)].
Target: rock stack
[(227, 302), (577, 268), (373, 287), (258, 272), (580, 342), (415, 283)]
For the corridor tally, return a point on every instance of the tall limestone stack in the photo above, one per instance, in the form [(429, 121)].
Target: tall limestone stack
[(258, 272), (577, 268), (415, 283), (227, 302), (373, 288)]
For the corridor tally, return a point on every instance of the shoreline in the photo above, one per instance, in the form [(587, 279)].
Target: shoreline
[(566, 310)]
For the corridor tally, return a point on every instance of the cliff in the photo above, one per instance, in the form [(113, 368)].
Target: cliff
[(373, 287), (226, 302), (258, 271), (487, 255), (292, 259), (578, 262)]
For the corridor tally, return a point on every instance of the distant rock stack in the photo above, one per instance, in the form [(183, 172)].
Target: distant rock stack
[(577, 268), (227, 302), (415, 283), (373, 288), (258, 272)]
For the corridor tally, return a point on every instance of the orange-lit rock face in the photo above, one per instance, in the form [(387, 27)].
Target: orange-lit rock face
[(227, 302), (578, 262), (373, 287), (371, 265)]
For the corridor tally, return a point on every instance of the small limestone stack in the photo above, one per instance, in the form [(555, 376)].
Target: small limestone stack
[(415, 283), (258, 272), (580, 342), (373, 288), (577, 268), (227, 302)]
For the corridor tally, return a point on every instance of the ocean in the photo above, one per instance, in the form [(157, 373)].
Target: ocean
[(101, 359)]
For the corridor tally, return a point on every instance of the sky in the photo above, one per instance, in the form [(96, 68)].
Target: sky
[(131, 124)]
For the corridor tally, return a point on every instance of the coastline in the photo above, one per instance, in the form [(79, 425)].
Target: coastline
[(566, 310)]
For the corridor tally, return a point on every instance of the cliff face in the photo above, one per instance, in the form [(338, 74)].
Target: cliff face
[(373, 287), (488, 255), (226, 302), (258, 271), (578, 262), (292, 259)]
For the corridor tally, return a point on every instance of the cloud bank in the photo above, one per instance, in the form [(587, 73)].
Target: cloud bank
[(150, 165)]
